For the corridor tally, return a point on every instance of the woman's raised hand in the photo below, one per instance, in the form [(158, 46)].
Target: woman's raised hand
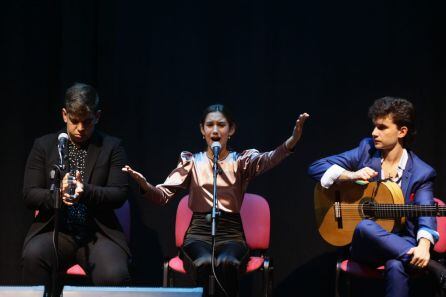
[(138, 177), (297, 132)]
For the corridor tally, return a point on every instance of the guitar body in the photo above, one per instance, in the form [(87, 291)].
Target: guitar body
[(341, 207)]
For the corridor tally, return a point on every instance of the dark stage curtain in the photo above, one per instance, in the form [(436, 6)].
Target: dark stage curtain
[(158, 64)]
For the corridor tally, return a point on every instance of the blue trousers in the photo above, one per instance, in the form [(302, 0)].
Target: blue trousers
[(374, 246)]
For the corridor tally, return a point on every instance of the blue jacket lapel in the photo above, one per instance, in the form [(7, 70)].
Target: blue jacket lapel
[(375, 164), (407, 174)]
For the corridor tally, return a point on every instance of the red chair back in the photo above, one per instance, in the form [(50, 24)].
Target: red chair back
[(182, 221), (256, 221), (440, 245), (255, 216)]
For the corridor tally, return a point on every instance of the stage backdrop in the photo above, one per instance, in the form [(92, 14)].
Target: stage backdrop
[(158, 64)]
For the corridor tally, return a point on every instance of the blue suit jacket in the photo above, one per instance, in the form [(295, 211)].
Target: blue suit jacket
[(418, 178)]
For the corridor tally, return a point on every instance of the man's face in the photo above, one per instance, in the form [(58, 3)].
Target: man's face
[(386, 133), (80, 127)]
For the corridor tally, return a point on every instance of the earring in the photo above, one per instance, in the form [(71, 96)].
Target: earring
[(203, 137), (229, 137)]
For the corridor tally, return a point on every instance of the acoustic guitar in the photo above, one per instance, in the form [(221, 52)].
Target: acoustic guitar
[(341, 207)]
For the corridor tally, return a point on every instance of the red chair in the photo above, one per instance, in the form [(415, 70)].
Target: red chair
[(356, 269), (123, 214), (255, 215)]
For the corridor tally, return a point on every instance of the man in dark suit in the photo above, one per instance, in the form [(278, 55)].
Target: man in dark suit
[(90, 234), (385, 156)]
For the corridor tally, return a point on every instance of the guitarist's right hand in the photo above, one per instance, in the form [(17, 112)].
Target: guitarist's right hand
[(363, 174)]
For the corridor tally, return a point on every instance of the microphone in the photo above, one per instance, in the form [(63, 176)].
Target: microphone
[(62, 141), (216, 148)]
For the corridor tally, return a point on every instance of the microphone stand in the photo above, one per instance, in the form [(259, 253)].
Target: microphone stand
[(215, 212), (55, 176)]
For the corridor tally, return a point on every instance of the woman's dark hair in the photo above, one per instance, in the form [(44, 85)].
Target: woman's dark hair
[(81, 99), (218, 108), (402, 112)]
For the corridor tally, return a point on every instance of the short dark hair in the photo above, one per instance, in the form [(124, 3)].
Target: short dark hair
[(81, 99), (402, 112), (218, 108)]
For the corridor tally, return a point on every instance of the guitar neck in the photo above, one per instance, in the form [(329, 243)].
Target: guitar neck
[(405, 210)]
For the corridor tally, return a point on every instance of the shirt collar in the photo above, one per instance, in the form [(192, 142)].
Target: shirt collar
[(403, 160), (401, 165)]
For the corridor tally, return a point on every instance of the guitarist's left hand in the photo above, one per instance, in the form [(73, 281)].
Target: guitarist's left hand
[(420, 254)]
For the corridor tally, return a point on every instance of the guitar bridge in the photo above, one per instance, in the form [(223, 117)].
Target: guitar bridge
[(337, 209)]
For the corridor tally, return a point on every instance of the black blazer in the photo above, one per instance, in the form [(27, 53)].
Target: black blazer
[(105, 185)]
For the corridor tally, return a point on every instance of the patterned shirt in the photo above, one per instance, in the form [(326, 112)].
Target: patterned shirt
[(75, 217)]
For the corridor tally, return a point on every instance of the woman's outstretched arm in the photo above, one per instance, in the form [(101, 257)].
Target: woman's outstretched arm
[(177, 179)]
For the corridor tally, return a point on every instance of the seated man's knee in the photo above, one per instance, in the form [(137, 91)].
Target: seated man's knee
[(33, 255), (394, 265), (365, 228)]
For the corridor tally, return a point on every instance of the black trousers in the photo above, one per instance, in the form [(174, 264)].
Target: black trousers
[(103, 260), (231, 252)]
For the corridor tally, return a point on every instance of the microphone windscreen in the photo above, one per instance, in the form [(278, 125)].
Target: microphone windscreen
[(62, 136), (215, 144)]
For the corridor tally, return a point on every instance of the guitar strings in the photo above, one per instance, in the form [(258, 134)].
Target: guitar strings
[(356, 211)]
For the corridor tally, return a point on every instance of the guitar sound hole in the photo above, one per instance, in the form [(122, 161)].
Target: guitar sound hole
[(367, 208)]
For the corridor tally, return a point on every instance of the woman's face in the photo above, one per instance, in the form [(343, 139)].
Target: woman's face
[(216, 128)]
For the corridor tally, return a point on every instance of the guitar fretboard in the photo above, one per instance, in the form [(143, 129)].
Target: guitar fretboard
[(402, 210)]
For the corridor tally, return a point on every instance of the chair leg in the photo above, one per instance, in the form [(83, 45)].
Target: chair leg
[(338, 274), (348, 282), (337, 280), (267, 277), (165, 273), (171, 278)]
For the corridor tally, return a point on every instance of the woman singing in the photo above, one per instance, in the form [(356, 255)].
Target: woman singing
[(194, 172)]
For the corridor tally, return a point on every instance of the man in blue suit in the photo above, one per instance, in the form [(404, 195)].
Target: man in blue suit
[(385, 156)]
